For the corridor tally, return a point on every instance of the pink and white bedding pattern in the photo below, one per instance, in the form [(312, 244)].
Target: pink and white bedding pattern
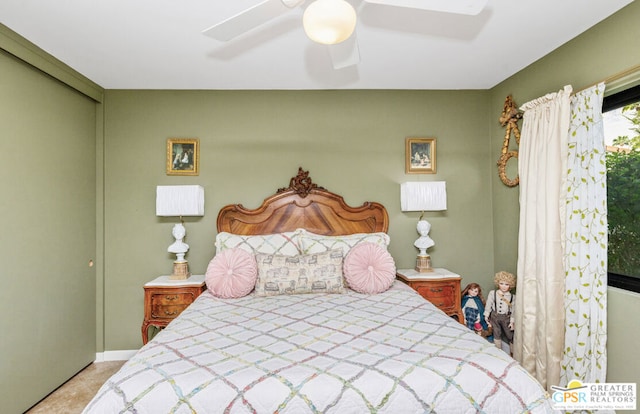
[(392, 352)]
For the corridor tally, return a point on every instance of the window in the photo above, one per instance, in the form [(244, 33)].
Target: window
[(621, 113)]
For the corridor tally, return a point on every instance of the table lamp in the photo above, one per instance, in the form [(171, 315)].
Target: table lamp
[(423, 196), (179, 201)]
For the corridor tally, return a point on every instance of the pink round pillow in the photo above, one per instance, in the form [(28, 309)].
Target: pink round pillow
[(232, 273), (369, 268)]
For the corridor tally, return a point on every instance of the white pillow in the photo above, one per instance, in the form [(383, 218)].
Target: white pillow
[(279, 243), (317, 243)]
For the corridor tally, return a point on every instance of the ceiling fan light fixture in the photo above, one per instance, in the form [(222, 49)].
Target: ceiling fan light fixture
[(329, 21)]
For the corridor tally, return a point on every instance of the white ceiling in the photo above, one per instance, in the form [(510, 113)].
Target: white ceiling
[(158, 44)]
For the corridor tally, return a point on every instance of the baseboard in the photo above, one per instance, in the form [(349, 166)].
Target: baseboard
[(114, 355)]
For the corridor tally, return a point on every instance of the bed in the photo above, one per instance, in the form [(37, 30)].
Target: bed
[(330, 352)]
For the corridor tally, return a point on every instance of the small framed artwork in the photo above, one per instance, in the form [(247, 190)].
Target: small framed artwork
[(420, 156), (183, 156)]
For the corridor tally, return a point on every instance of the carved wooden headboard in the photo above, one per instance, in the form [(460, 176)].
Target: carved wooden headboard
[(304, 205)]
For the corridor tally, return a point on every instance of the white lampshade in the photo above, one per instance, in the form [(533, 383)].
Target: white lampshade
[(329, 21), (179, 200), (423, 196)]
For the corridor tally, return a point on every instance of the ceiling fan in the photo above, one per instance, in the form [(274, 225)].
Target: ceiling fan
[(343, 46)]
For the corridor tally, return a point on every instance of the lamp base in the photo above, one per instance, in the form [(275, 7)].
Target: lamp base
[(180, 271), (423, 264)]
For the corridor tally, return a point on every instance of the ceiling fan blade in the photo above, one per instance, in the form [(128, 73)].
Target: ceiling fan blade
[(250, 18), (471, 7), (345, 53)]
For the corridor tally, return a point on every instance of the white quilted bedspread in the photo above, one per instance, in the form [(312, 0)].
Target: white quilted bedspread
[(332, 353)]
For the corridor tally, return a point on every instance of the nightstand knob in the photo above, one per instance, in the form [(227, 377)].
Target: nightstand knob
[(436, 290), (171, 313), (171, 297)]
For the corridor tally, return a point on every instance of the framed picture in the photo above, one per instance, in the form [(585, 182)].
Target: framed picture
[(420, 156), (183, 156)]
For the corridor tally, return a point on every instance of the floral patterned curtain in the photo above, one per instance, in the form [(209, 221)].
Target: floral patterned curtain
[(585, 302)]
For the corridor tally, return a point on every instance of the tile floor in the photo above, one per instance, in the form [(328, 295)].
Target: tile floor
[(75, 394)]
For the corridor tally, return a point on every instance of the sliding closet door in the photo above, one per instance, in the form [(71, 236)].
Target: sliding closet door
[(48, 212)]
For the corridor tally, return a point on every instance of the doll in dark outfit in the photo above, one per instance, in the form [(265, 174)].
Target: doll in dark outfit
[(473, 309)]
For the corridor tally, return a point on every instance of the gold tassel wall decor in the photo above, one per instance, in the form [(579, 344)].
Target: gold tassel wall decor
[(509, 118)]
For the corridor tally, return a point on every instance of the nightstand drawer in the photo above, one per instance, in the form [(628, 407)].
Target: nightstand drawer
[(433, 291), (171, 299), (167, 311), (442, 297)]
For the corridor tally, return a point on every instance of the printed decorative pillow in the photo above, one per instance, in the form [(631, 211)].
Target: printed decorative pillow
[(232, 273), (369, 268), (279, 243), (286, 275), (316, 243)]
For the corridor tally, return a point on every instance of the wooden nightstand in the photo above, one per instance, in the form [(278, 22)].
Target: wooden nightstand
[(440, 287), (165, 299)]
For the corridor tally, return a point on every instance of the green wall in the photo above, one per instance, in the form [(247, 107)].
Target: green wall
[(252, 143), (605, 50), (601, 52)]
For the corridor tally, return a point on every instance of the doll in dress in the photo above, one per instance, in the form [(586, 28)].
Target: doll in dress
[(498, 312), (473, 309)]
